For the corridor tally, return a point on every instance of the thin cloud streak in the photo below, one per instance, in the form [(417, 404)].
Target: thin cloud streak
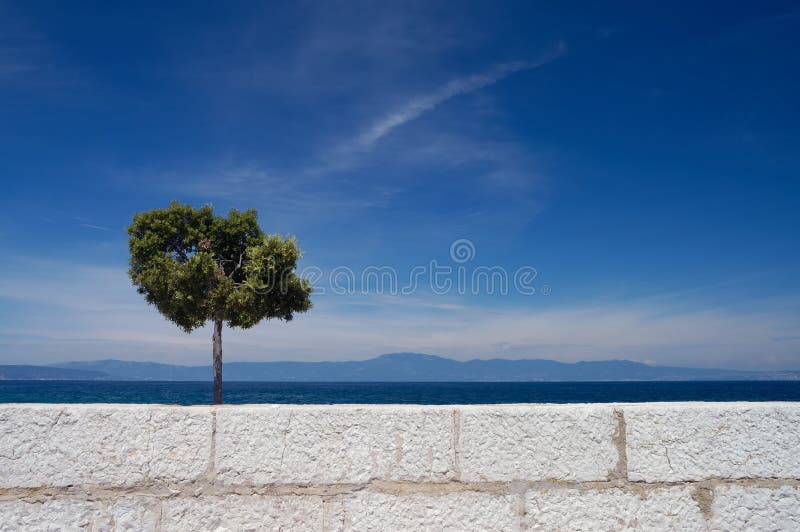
[(96, 227), (422, 104), (306, 187)]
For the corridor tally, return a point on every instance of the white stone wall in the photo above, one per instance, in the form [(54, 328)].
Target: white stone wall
[(657, 466)]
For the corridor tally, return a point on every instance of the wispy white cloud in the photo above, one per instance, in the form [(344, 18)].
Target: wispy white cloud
[(339, 174), (95, 227), (224, 179), (419, 105), (292, 196), (80, 288), (28, 57), (88, 224), (335, 48), (487, 165), (85, 312)]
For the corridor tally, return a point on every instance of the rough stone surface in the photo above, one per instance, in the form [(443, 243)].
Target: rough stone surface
[(686, 466), (537, 442), (125, 514), (695, 441), (243, 512), (749, 508), (365, 511), (613, 509), (336, 444), (119, 445)]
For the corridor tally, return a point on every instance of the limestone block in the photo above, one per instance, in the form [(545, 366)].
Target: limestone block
[(696, 441), (751, 508), (537, 442), (121, 515), (113, 445), (333, 444), (462, 511), (613, 509), (242, 512)]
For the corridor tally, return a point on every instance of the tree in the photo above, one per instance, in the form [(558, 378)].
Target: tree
[(196, 267)]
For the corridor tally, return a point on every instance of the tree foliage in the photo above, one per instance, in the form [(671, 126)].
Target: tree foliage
[(194, 266)]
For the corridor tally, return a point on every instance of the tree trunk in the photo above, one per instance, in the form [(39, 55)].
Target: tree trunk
[(217, 361)]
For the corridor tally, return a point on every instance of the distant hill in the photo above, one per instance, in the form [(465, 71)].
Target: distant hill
[(411, 367), (48, 373)]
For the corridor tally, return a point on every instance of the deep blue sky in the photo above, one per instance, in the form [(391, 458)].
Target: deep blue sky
[(642, 157)]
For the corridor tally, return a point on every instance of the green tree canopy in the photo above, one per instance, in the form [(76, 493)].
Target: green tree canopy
[(196, 267)]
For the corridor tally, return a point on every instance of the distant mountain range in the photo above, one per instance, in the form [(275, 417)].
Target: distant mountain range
[(49, 373), (397, 367)]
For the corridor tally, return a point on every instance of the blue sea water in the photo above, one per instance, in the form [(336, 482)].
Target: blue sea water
[(196, 393)]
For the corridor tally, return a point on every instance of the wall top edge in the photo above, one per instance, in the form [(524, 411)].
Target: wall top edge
[(394, 407)]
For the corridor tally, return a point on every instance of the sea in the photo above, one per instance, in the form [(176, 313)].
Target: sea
[(428, 393)]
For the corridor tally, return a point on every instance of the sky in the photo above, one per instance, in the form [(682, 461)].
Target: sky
[(582, 181)]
